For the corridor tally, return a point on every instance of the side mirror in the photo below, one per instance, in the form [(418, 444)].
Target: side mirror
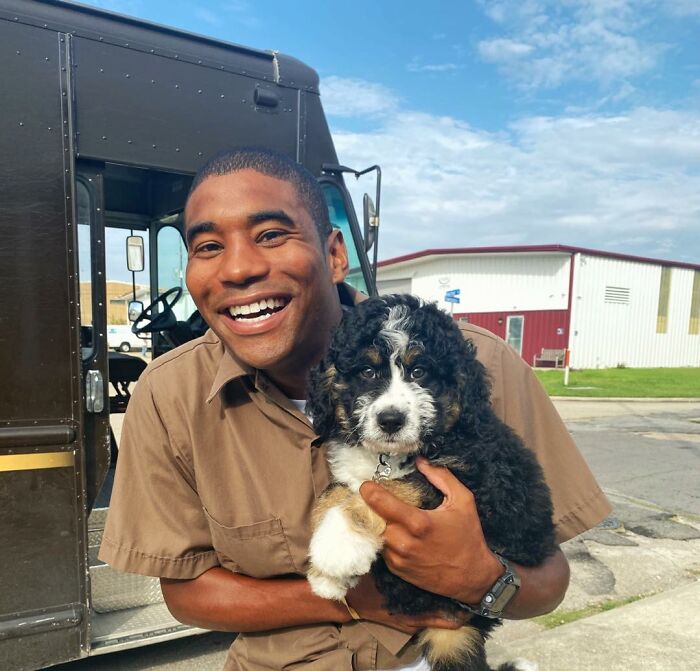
[(134, 253), (135, 309), (371, 222)]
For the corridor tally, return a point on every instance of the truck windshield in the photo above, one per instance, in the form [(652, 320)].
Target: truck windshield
[(172, 264), (338, 214)]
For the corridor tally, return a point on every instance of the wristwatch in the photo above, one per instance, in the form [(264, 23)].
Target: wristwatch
[(499, 595)]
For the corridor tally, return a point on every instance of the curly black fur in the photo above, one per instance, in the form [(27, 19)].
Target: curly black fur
[(467, 437)]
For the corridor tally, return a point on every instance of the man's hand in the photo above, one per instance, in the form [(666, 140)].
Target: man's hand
[(367, 601), (442, 550)]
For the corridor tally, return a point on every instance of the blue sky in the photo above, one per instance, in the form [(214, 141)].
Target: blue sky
[(499, 122)]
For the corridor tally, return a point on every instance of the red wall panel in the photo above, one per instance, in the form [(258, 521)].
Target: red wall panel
[(541, 328)]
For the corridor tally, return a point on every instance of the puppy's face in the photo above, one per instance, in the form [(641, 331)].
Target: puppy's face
[(395, 388)]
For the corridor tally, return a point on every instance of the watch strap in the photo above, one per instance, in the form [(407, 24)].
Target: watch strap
[(499, 595)]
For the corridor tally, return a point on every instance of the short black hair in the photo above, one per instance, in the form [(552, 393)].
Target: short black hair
[(273, 164)]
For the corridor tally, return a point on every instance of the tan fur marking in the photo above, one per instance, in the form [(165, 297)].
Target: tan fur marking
[(360, 516), (328, 376), (363, 518), (335, 495), (374, 356), (406, 491), (453, 410), (342, 417), (452, 645), (411, 355)]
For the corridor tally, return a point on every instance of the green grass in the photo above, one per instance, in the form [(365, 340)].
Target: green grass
[(629, 382), (560, 617)]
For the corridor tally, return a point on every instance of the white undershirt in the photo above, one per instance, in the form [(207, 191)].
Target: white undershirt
[(419, 665), (300, 404)]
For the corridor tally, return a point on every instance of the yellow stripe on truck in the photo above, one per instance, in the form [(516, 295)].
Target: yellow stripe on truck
[(30, 462)]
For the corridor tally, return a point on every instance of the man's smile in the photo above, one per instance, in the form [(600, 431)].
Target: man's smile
[(256, 314), (258, 310)]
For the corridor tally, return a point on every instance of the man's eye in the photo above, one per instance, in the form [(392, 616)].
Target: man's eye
[(368, 373), (272, 237), (207, 249), (417, 373)]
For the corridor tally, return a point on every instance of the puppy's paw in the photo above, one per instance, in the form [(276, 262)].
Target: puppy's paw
[(340, 551), (327, 586)]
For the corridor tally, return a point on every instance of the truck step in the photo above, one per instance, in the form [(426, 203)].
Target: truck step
[(135, 627), (114, 590)]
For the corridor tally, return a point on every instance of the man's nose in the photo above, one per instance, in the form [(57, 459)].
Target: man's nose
[(242, 263)]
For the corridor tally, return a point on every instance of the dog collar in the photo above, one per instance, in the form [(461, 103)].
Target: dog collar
[(385, 467)]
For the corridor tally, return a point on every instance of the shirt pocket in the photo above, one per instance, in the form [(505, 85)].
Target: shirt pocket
[(260, 550)]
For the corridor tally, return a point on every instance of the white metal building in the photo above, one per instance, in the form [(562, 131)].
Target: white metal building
[(607, 309)]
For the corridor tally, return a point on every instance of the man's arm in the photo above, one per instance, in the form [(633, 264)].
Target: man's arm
[(225, 601), (444, 550)]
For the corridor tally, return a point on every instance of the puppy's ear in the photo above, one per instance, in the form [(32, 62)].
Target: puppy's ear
[(320, 397), (473, 383)]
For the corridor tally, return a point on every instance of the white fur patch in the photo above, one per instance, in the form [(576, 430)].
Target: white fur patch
[(352, 465), (396, 327), (340, 552), (329, 588), (525, 665)]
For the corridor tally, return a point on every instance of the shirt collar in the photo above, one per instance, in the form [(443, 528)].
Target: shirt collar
[(230, 368)]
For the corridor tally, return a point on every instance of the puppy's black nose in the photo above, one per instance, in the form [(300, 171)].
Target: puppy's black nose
[(391, 420)]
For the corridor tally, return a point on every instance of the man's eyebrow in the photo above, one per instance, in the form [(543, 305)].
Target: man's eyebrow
[(271, 215), (191, 232)]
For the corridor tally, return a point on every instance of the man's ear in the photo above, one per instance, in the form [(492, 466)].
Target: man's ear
[(338, 262)]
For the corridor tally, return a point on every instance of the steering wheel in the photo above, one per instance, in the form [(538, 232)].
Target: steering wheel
[(164, 320)]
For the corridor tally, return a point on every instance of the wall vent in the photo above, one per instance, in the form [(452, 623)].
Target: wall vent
[(618, 295)]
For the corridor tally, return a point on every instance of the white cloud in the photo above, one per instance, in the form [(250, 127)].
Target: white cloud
[(682, 7), (629, 183), (550, 42), (345, 97), (417, 66), (503, 50)]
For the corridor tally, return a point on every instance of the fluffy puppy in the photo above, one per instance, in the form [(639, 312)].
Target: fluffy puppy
[(399, 380)]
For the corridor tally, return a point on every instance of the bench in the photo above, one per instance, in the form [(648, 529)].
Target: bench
[(550, 356)]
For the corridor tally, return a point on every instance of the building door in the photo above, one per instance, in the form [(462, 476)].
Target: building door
[(514, 332)]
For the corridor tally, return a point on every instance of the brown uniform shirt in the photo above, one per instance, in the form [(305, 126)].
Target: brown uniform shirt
[(216, 468)]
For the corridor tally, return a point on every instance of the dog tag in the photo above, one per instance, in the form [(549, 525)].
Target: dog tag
[(383, 469)]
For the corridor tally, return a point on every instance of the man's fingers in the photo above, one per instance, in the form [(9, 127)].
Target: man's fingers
[(443, 479), (385, 504)]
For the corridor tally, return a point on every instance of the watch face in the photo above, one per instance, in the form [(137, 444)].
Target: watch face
[(508, 591), (499, 596)]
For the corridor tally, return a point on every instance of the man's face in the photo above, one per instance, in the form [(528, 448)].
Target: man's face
[(259, 274)]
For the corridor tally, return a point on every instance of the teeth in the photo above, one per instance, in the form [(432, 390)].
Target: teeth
[(255, 307)]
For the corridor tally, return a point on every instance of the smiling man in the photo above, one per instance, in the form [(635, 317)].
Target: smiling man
[(218, 466)]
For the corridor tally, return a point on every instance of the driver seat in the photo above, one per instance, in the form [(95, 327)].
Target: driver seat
[(123, 370)]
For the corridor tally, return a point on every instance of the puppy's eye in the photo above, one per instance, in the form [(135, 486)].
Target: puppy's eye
[(368, 373), (417, 373)]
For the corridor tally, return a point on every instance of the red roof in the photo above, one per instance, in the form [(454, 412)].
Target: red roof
[(517, 249)]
